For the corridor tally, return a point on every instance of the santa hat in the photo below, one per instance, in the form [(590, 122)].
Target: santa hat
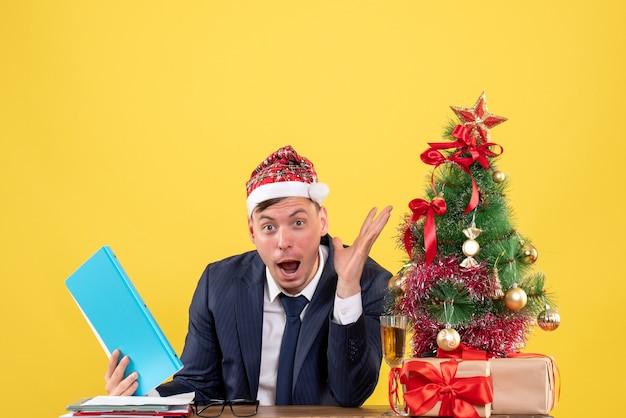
[(284, 174)]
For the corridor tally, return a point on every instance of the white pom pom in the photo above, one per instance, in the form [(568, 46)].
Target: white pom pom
[(318, 192)]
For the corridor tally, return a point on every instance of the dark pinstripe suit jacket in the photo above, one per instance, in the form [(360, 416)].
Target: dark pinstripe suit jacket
[(335, 364)]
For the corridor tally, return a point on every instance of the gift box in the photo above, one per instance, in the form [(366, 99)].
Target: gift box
[(447, 387), (523, 385)]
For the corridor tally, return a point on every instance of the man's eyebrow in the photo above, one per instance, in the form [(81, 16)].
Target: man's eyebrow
[(263, 216), (296, 212)]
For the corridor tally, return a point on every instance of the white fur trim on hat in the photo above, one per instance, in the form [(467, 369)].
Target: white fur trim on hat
[(314, 191), (318, 192)]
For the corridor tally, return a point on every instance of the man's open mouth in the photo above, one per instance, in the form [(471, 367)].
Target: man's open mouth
[(289, 267)]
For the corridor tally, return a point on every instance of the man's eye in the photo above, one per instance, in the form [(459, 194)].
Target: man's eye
[(268, 227), (299, 223)]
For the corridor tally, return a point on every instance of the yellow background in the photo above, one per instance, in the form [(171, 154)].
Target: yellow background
[(135, 124)]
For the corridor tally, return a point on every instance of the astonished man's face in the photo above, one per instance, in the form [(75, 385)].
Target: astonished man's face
[(287, 237)]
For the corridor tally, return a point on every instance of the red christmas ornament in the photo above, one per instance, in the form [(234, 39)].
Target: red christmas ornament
[(478, 119)]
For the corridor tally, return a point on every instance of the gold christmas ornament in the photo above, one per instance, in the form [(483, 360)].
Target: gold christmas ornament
[(549, 319), (470, 247), (515, 298), (496, 289), (448, 339), (397, 282), (529, 253), (498, 176)]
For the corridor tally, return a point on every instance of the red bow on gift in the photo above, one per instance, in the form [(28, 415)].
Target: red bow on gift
[(420, 208), (426, 385)]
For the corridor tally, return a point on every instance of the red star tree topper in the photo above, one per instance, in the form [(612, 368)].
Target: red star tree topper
[(477, 119)]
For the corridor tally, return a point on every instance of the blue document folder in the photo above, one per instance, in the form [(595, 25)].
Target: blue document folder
[(120, 319)]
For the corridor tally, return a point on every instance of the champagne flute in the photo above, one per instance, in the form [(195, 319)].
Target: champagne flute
[(393, 334)]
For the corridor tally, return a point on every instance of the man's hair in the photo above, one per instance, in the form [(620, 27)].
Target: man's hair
[(270, 202)]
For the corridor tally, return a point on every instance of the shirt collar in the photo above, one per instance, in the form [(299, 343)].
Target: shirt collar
[(273, 289)]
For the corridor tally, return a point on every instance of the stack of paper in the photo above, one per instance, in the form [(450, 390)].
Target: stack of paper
[(131, 406)]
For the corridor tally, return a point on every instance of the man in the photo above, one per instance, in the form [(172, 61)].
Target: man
[(233, 348)]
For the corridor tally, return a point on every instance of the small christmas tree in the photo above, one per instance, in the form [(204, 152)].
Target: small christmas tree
[(469, 278)]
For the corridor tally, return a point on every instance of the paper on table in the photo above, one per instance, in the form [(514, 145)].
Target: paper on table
[(176, 412), (182, 399)]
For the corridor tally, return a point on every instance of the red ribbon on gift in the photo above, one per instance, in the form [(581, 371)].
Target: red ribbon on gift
[(426, 385), (394, 396), (464, 352), (466, 144), (420, 208)]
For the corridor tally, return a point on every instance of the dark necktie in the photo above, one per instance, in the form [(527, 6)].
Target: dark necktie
[(284, 381)]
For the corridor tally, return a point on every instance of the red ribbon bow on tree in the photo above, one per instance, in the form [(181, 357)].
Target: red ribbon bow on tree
[(420, 208), (426, 385), (466, 144)]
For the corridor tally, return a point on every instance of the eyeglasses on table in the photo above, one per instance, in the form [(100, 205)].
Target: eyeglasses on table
[(212, 408)]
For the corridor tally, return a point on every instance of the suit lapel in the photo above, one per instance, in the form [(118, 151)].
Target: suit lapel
[(249, 290), (319, 311)]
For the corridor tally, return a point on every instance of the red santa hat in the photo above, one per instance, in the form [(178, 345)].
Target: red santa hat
[(284, 174)]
